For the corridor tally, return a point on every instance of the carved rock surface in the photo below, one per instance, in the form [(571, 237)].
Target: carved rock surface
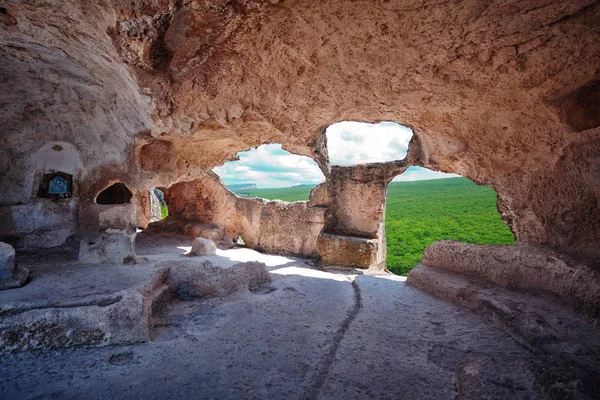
[(348, 251), (155, 93), (117, 320), (112, 246), (193, 280), (520, 267), (11, 275), (271, 226), (122, 217)]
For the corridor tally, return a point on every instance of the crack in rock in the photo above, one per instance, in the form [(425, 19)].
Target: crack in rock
[(327, 362)]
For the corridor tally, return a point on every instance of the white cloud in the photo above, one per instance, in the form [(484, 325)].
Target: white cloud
[(351, 142), (269, 166), (421, 174)]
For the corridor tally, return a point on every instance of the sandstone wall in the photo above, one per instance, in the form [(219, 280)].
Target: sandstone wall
[(153, 93), (271, 226)]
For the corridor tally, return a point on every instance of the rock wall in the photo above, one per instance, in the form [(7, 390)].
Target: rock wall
[(522, 267), (271, 226), (154, 93)]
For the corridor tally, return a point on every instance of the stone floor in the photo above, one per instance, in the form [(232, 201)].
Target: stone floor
[(310, 334)]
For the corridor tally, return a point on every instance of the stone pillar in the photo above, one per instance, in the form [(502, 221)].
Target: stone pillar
[(354, 233), (115, 243), (11, 275)]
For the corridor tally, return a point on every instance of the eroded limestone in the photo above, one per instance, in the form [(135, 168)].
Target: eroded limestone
[(112, 246), (153, 95), (532, 268), (11, 275), (203, 247)]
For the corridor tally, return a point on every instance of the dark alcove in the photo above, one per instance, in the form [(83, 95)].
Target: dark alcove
[(115, 194)]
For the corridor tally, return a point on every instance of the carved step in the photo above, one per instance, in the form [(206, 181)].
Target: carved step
[(349, 251)]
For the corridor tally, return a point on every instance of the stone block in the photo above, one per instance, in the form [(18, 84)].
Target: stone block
[(42, 223), (110, 247), (203, 247), (46, 238), (11, 275), (121, 217), (348, 251), (190, 279)]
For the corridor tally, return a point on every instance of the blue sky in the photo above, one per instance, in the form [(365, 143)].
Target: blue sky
[(348, 143), (269, 166)]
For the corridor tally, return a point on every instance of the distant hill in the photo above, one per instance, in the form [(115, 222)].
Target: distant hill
[(242, 186), (294, 193)]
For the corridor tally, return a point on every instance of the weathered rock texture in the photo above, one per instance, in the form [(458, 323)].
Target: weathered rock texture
[(154, 93), (524, 267), (203, 247), (565, 348), (116, 319), (272, 226), (192, 280), (354, 232), (103, 316), (113, 246), (115, 243), (11, 275), (349, 251)]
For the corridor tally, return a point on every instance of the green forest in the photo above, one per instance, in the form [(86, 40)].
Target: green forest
[(421, 212)]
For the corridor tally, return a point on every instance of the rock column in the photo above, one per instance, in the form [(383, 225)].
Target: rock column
[(354, 233)]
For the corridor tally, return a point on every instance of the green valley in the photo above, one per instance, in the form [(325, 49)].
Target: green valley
[(421, 212)]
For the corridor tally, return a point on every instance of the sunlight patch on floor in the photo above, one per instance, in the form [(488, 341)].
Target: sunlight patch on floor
[(310, 273), (245, 255)]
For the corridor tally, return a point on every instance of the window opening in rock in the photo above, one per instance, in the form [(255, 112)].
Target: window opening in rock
[(117, 193), (57, 185), (423, 208), (272, 173), (157, 205), (240, 241), (351, 142)]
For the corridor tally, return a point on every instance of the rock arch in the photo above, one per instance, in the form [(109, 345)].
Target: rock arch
[(117, 193), (498, 103)]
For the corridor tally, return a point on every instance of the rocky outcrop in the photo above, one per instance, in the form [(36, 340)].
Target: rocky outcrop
[(113, 246), (116, 242), (349, 251), (354, 233), (148, 208)]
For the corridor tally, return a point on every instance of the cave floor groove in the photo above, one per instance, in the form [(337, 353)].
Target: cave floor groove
[(313, 334)]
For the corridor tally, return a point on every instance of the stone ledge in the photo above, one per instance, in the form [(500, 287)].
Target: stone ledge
[(522, 267), (347, 251), (126, 316), (564, 347)]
